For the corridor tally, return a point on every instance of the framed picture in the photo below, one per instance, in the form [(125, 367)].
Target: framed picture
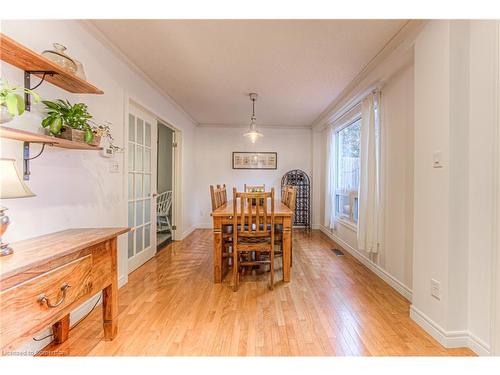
[(255, 160)]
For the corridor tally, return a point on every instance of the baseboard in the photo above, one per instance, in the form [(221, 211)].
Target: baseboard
[(188, 231), (315, 226), (449, 339), (203, 225), (375, 268)]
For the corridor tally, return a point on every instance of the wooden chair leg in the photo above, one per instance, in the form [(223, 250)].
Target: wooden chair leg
[(272, 269), (236, 267)]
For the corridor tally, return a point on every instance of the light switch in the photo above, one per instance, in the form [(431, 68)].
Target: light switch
[(437, 159)]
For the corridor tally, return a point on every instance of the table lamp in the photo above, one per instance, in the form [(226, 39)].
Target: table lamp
[(11, 186)]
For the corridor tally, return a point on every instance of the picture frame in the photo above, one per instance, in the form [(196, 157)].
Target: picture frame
[(255, 160)]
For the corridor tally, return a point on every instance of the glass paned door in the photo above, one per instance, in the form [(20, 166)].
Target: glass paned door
[(140, 184)]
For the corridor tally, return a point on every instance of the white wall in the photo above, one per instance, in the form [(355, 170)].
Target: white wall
[(214, 147), (395, 262), (456, 72), (75, 188)]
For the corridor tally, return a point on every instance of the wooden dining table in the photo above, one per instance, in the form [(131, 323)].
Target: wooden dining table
[(224, 215)]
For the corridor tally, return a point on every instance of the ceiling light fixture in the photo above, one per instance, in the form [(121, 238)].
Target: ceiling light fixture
[(253, 133)]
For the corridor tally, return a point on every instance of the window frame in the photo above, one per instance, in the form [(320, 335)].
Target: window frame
[(347, 220)]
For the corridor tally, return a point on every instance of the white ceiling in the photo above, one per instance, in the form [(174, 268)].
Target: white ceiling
[(298, 67)]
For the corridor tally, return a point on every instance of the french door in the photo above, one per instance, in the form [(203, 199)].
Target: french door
[(142, 135)]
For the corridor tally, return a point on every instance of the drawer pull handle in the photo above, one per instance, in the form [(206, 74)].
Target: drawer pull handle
[(43, 298)]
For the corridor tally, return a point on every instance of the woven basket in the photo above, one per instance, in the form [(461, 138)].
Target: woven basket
[(72, 134)]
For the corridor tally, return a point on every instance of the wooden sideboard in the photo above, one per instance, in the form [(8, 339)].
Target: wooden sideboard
[(49, 276)]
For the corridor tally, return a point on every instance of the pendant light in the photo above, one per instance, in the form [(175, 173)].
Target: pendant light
[(253, 133)]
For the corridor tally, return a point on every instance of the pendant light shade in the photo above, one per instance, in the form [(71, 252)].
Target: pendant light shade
[(253, 133)]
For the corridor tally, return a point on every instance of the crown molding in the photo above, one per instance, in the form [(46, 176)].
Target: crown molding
[(245, 126), (99, 35), (402, 40)]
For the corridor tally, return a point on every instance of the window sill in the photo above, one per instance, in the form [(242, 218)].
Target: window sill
[(348, 224)]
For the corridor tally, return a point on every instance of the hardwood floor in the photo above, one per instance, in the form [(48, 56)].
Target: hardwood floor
[(332, 306)]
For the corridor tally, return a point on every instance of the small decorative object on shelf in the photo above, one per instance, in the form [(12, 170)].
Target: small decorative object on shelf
[(59, 56), (68, 121), (12, 101), (11, 186), (103, 131), (80, 72)]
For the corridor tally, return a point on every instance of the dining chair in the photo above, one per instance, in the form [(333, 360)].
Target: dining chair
[(255, 234), (254, 188), (289, 199), (163, 206), (218, 197)]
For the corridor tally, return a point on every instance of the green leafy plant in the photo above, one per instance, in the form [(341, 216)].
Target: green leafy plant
[(62, 113), (11, 97)]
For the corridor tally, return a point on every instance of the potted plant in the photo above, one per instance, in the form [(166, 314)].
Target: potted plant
[(12, 101), (103, 131), (68, 121)]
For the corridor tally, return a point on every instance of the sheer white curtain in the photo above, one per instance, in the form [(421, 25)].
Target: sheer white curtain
[(331, 177), (370, 222)]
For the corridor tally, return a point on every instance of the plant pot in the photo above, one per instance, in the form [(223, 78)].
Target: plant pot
[(96, 141), (72, 134), (5, 116)]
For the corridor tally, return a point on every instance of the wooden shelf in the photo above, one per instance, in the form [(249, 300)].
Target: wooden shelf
[(26, 136), (30, 61)]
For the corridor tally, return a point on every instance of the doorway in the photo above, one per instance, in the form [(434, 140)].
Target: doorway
[(141, 185), (165, 185)]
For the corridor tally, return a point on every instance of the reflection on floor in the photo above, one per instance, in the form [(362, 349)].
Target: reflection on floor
[(163, 239), (332, 306)]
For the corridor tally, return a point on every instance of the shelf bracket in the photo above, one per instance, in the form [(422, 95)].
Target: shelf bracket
[(26, 158), (27, 84)]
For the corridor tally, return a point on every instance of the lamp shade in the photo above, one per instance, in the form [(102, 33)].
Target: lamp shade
[(11, 183)]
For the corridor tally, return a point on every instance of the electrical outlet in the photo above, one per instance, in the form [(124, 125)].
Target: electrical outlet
[(435, 289), (201, 213)]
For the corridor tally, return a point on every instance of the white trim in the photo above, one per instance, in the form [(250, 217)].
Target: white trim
[(495, 270), (375, 268), (106, 42), (346, 223), (449, 339), (188, 231), (403, 39), (204, 225), (245, 126)]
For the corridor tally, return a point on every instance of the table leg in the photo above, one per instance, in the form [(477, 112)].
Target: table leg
[(217, 250), (287, 248), (60, 330), (110, 299)]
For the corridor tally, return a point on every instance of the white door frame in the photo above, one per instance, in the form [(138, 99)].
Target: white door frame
[(146, 253), (495, 300), (176, 180)]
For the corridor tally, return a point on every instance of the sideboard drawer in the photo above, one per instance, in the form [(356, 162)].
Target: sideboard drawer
[(38, 301)]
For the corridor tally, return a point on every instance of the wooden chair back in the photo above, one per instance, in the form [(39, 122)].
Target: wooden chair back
[(254, 188), (218, 196), (289, 196), (255, 214)]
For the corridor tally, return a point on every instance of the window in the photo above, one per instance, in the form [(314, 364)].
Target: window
[(347, 171)]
